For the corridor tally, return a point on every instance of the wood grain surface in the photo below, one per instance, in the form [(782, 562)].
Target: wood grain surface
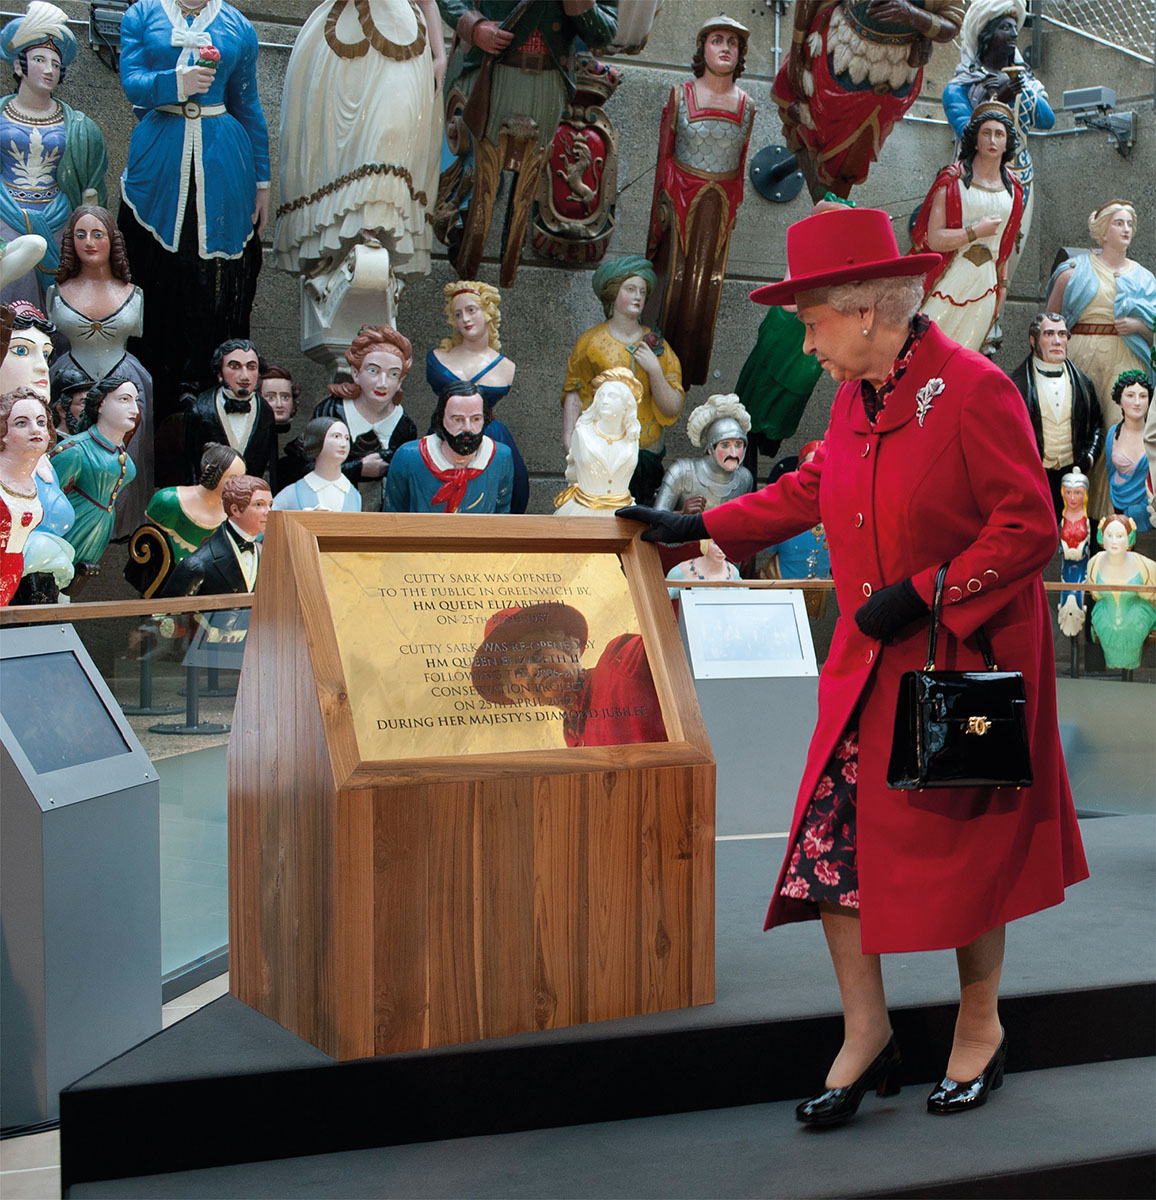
[(379, 907)]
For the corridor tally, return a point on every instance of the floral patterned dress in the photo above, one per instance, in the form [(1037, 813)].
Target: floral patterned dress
[(822, 867)]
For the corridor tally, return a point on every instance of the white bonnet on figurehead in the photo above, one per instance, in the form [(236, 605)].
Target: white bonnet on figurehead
[(716, 418), (979, 13), (42, 25)]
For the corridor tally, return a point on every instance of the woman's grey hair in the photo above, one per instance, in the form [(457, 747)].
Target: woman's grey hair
[(895, 301)]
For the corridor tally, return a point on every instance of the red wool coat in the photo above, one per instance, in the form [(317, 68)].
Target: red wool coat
[(937, 868)]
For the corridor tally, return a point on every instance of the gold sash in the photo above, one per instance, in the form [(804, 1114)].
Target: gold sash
[(575, 493)]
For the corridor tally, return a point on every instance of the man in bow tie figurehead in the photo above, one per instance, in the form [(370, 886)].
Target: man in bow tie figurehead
[(1062, 404), (227, 560), (233, 413)]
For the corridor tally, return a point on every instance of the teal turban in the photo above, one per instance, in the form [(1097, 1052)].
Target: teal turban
[(612, 273), (42, 25)]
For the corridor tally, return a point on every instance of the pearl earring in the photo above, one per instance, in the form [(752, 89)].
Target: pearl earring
[(865, 333)]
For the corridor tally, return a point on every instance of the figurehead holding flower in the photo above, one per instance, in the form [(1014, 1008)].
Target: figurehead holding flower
[(623, 284), (196, 185)]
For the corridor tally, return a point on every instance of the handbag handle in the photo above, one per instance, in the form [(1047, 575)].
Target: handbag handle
[(933, 633)]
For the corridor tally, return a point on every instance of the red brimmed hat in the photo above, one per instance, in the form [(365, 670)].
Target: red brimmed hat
[(519, 630), (842, 245)]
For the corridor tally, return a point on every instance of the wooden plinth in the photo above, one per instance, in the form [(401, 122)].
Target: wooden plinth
[(376, 907)]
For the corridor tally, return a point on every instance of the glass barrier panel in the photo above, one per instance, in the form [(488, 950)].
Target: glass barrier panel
[(175, 678)]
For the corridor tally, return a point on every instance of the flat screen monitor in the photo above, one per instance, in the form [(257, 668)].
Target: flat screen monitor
[(68, 725)]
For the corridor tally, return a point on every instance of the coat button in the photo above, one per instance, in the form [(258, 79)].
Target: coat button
[(973, 585), (866, 589), (954, 595), (994, 575), (869, 656), (865, 451), (858, 520)]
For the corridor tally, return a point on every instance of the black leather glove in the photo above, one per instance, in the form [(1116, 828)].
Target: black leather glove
[(890, 610), (670, 528)]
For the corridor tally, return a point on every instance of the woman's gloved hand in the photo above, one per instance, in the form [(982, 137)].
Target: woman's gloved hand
[(670, 528), (890, 610)]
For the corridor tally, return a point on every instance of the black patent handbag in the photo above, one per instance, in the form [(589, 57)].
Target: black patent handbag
[(959, 728)]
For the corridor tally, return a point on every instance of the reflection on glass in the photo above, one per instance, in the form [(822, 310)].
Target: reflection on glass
[(449, 654), (532, 658), (146, 664)]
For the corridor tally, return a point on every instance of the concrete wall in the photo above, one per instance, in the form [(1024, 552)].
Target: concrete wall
[(549, 305)]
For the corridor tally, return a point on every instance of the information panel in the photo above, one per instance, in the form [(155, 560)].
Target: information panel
[(736, 634), (451, 653)]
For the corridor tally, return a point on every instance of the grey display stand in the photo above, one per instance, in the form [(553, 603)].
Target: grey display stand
[(759, 723), (79, 874)]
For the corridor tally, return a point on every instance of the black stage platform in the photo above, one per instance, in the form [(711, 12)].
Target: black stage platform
[(227, 1086)]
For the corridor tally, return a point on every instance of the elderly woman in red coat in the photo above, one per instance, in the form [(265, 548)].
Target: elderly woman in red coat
[(928, 459)]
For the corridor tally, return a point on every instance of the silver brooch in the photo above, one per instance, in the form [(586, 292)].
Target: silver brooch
[(924, 397)]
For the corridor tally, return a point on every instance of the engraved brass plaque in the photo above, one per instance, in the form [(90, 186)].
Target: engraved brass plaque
[(448, 654)]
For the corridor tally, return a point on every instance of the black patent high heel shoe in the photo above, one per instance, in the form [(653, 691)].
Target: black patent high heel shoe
[(952, 1097), (836, 1105)]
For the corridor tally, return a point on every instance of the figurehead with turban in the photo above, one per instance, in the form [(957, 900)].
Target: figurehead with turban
[(52, 158), (612, 273), (980, 14), (622, 340), (42, 25)]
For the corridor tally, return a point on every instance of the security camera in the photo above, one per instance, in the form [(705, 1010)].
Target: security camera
[(1101, 98), (1093, 107)]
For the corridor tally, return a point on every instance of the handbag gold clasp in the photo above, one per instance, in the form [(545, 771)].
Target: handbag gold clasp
[(978, 725)]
